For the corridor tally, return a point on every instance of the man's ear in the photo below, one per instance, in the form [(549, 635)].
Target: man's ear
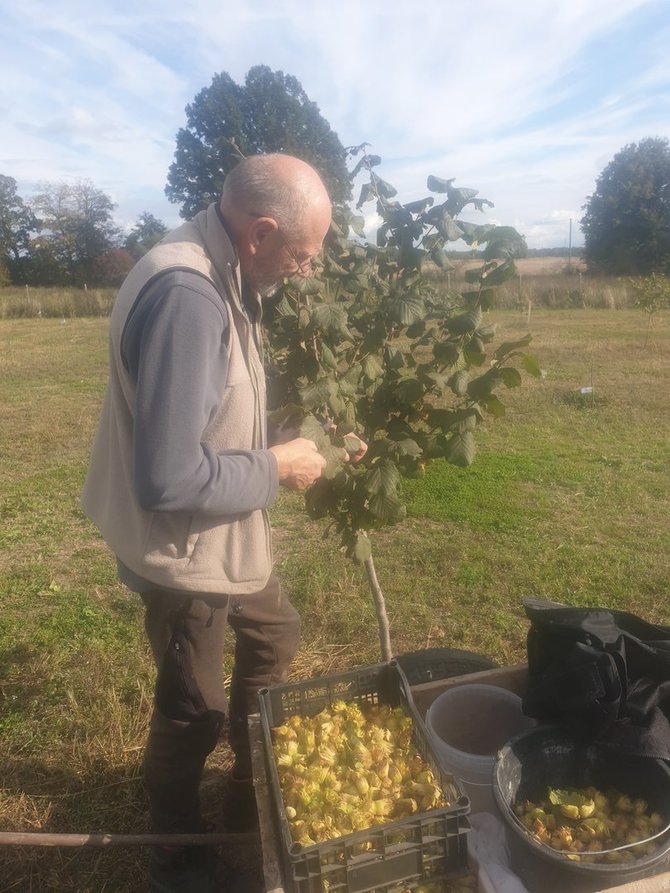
[(259, 230)]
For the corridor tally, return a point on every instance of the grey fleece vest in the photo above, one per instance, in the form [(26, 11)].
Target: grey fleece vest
[(229, 554)]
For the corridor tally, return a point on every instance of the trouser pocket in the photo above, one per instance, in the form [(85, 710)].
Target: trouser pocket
[(177, 693)]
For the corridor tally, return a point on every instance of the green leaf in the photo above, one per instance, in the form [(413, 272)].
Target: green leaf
[(508, 347), (316, 394), (446, 225), (348, 383), (466, 419), (459, 383), (443, 419), (406, 308), (385, 190), (482, 387), (419, 206), (336, 405), (335, 458), (306, 286), (475, 233), (479, 273), (511, 377), (330, 318), (382, 478), (386, 508), (416, 329), (363, 548), (409, 391), (466, 322), (289, 416), (439, 257), (459, 198), (487, 298), (367, 195), (446, 352), (437, 184), (328, 358), (494, 406), (320, 499), (502, 272), (532, 366), (487, 333), (351, 443), (355, 221), (474, 352), (504, 240), (312, 429), (372, 368), (461, 449), (284, 308), (407, 447)]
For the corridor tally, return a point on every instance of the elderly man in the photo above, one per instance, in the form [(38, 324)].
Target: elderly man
[(181, 476)]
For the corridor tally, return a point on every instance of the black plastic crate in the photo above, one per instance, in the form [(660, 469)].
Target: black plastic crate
[(389, 858)]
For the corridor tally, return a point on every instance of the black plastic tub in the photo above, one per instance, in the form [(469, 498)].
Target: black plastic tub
[(426, 847), (550, 756)]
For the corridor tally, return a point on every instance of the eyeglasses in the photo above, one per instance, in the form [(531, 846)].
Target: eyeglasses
[(304, 267)]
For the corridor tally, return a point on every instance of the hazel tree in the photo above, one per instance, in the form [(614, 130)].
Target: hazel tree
[(371, 347)]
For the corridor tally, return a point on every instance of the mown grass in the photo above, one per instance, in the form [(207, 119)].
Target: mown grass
[(568, 499)]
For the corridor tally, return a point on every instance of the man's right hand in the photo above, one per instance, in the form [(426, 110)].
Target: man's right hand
[(299, 463)]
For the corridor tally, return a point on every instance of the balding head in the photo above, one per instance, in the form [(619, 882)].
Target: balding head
[(278, 212), (279, 186)]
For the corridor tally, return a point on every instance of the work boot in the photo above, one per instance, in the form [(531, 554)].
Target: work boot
[(239, 880), (239, 813), (183, 869)]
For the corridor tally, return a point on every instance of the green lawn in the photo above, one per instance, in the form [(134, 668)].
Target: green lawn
[(567, 499)]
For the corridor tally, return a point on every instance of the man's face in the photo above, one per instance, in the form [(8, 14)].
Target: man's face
[(278, 256)]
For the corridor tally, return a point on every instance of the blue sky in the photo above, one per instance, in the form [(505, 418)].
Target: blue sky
[(525, 100)]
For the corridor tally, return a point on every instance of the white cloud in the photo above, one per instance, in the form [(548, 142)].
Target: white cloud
[(507, 98)]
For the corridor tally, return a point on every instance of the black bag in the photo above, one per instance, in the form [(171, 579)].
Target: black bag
[(604, 673)]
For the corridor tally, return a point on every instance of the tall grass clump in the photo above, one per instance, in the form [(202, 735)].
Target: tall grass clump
[(549, 283), (18, 302)]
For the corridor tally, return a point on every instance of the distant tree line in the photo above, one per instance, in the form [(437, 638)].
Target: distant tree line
[(66, 235)]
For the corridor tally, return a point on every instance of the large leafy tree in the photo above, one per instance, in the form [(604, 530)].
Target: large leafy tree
[(626, 223), (270, 112), (76, 226), (17, 223), (144, 235)]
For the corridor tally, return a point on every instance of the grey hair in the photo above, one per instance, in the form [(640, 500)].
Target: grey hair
[(254, 187)]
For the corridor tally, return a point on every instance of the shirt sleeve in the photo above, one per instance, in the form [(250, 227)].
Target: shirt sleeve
[(175, 348)]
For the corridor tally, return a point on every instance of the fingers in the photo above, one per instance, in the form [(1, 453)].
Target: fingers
[(299, 463)]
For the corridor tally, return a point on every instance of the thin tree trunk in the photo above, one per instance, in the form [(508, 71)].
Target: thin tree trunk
[(380, 609)]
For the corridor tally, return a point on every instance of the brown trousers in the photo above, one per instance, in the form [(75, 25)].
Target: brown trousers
[(186, 632)]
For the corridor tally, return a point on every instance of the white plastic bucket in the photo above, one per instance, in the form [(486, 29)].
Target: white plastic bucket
[(468, 724)]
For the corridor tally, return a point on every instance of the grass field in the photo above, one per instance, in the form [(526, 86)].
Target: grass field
[(550, 282), (568, 499)]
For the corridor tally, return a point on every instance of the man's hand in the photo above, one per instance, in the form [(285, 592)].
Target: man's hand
[(299, 463), (361, 448)]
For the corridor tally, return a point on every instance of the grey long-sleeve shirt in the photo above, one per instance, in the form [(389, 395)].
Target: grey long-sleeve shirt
[(175, 348)]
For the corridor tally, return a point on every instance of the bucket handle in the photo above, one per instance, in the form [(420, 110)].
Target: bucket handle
[(614, 849)]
